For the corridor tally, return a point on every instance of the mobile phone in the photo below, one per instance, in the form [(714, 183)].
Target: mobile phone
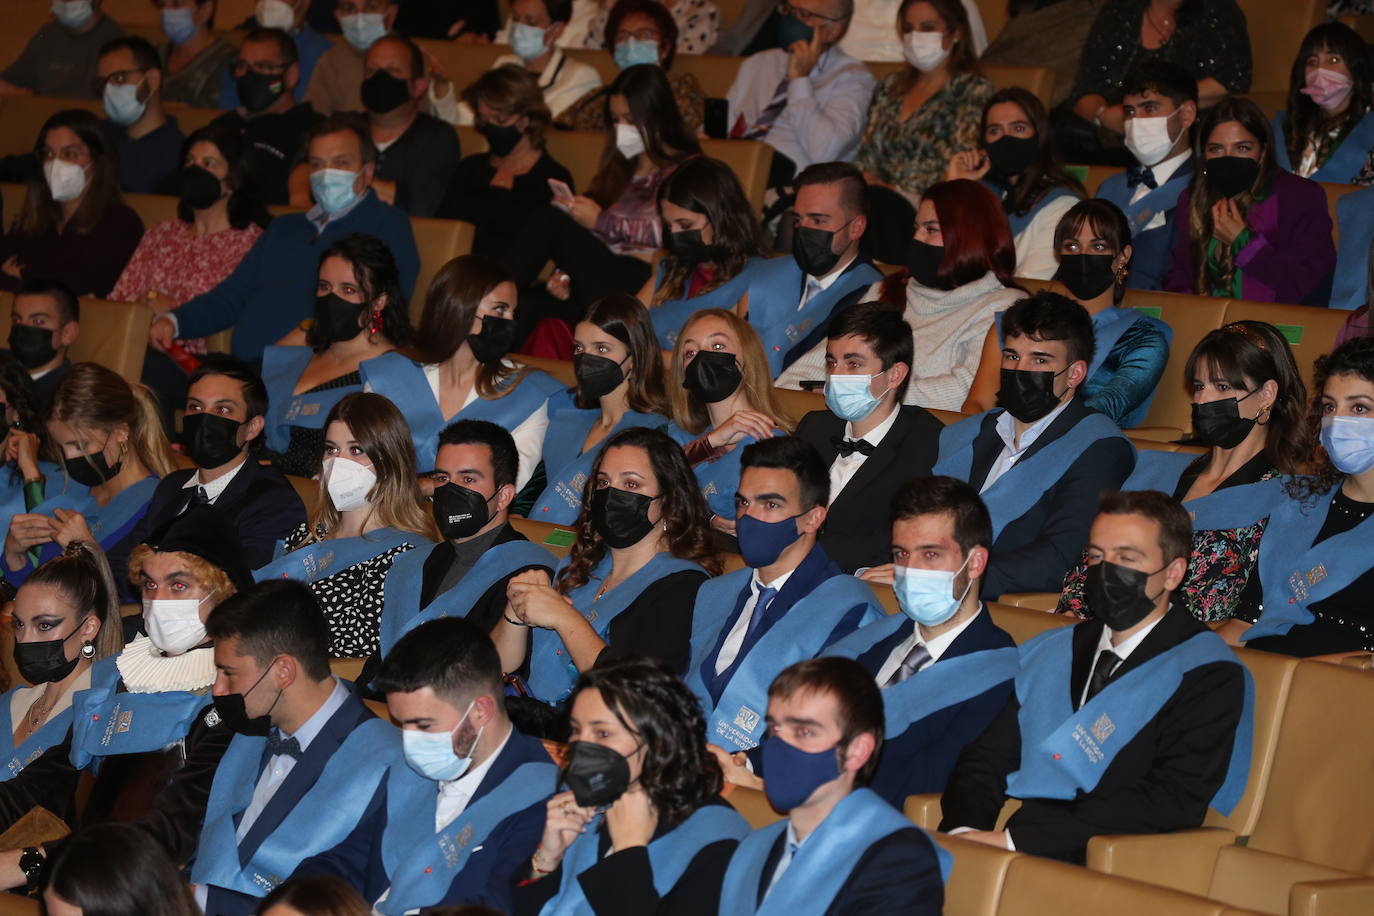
[(812, 385), (562, 194)]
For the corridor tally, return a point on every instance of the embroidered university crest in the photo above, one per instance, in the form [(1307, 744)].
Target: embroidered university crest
[(1102, 729), (747, 719)]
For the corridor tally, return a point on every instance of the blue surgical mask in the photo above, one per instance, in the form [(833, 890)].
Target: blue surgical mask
[(361, 30), (761, 543), (1349, 441), (927, 595), (431, 754), (792, 29), (179, 24), (791, 774), (122, 104), (850, 397), (527, 41), (632, 52), (73, 13), (333, 189)]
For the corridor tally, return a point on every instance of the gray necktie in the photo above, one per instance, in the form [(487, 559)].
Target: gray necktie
[(917, 657)]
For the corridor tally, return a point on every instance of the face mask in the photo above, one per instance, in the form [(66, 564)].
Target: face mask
[(1327, 88), (31, 346), (527, 41), (494, 340), (1148, 139), (274, 14), (257, 91), (233, 711), (927, 595), (632, 52), (210, 440), (1349, 443), (792, 774), (66, 180), (1219, 423), (432, 754), (459, 512), (336, 318), (597, 775), (813, 250), (500, 140), (1010, 156), (1229, 176), (383, 93), (1028, 395), (761, 543), (122, 104), (597, 376), (688, 248), (1086, 276), (179, 25), (44, 662), (198, 189), (348, 483), (790, 30), (628, 140), (1116, 595), (361, 30), (621, 517), (73, 13), (91, 470), (712, 377), (923, 260), (174, 625), (333, 189), (924, 50), (850, 397)]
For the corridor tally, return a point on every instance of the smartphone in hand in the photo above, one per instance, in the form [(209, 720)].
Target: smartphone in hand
[(562, 194)]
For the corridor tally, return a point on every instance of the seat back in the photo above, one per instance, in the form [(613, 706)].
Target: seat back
[(1263, 881), (1277, 28), (752, 805), (1311, 332), (750, 160), (1092, 176), (1039, 887), (975, 883), (438, 242), (561, 369), (579, 151), (113, 334), (12, 192), (309, 492), (1334, 193), (153, 208), (557, 539), (1191, 318), (346, 668), (797, 404), (22, 116), (1039, 81), (1022, 623)]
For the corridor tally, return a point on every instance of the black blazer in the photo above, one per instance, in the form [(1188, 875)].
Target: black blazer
[(898, 874), (1162, 780), (485, 613), (856, 532), (1035, 551)]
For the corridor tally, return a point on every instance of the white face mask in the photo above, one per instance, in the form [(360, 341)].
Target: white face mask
[(73, 13), (174, 624), (1148, 139), (628, 140), (66, 180), (348, 483), (924, 50), (274, 14)]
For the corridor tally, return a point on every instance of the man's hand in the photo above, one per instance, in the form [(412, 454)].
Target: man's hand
[(734, 768), (880, 575), (803, 56), (161, 334)]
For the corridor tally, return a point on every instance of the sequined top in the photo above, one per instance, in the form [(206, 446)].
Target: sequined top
[(1212, 41)]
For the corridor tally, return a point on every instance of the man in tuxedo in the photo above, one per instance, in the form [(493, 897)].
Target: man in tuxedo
[(841, 849), (1134, 722), (469, 777), (1042, 458), (307, 758), (872, 442), (226, 404)]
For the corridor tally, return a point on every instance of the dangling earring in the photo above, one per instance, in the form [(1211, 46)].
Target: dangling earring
[(1121, 275), (123, 448), (87, 650), (1263, 418), (375, 326)]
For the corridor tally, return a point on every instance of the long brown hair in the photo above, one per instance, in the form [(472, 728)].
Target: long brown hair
[(654, 110), (1305, 121), (962, 58), (709, 187), (1044, 174), (82, 574), (685, 525), (40, 212), (91, 398), (624, 317), (686, 408)]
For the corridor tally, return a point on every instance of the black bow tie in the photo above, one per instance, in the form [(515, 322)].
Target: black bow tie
[(847, 447), (277, 744), (1141, 174)]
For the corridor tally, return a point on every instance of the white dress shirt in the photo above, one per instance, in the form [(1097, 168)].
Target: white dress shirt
[(936, 647), (454, 794), (214, 488), (734, 640), (1162, 172), (1010, 453), (843, 468), (1122, 652), (528, 436)]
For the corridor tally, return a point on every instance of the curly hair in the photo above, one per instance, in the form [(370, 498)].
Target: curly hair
[(1354, 357), (679, 774), (685, 515), (212, 580)]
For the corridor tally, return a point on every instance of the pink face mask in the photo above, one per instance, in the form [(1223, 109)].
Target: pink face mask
[(1327, 88)]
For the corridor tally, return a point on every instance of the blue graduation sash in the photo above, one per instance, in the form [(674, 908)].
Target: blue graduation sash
[(401, 610), (669, 855), (776, 287), (109, 523), (719, 479), (567, 465), (1224, 509), (421, 863), (320, 820), (313, 562), (106, 723), (1345, 161), (1355, 216), (12, 490), (552, 672), (1063, 751), (1156, 201), (1019, 223), (670, 317), (53, 732), (948, 682), (281, 370), (1012, 495), (1296, 573), (736, 722), (820, 866)]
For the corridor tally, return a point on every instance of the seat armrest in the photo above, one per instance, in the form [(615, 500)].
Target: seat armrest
[(1184, 859), (1339, 897), (924, 810)]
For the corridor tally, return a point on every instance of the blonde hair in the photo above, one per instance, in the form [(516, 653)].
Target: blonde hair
[(82, 574), (688, 411), (212, 580), (91, 397)]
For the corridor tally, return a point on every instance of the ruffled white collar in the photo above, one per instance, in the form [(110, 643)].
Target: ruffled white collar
[(146, 670)]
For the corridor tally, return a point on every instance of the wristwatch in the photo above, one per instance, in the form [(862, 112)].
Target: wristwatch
[(31, 864)]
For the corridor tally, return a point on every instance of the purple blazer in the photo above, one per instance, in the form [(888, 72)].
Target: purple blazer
[(1290, 252)]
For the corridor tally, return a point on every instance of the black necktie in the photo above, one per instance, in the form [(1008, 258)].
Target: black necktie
[(277, 744), (847, 447), (1107, 662), (199, 498), (911, 663), (1141, 174)]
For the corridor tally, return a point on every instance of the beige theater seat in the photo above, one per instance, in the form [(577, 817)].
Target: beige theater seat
[(975, 883), (752, 805), (556, 539), (1023, 623), (438, 242), (113, 334), (1311, 332)]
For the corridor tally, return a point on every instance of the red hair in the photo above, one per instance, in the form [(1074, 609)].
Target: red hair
[(976, 235)]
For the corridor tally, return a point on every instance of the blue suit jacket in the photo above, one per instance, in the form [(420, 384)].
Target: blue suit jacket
[(485, 878), (1152, 251)]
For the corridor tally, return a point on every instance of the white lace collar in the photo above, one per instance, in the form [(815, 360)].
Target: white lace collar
[(146, 670)]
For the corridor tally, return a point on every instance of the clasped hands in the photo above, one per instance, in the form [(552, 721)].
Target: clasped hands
[(532, 601)]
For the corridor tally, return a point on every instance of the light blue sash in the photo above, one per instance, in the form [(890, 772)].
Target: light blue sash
[(737, 721), (820, 866), (1296, 572), (401, 611), (567, 465), (552, 672), (107, 723), (54, 731), (1224, 509), (1156, 201), (719, 479), (1345, 161), (313, 562), (421, 863), (1063, 751), (109, 523), (669, 855), (1355, 216), (1019, 223), (12, 490), (321, 819), (1013, 494), (775, 289), (948, 682), (671, 317), (282, 368)]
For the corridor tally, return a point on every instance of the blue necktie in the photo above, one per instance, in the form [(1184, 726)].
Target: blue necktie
[(766, 596), (1141, 174)]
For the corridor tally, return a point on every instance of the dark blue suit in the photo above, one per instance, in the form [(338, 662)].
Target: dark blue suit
[(1151, 250), (898, 874)]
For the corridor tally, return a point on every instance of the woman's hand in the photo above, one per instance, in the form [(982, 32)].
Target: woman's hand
[(970, 164), (534, 602), (69, 526), (27, 529), (1227, 221), (22, 449), (881, 575), (584, 211), (564, 822), (734, 768), (159, 302), (161, 334), (723, 524), (12, 267), (632, 820), (741, 423), (559, 285)]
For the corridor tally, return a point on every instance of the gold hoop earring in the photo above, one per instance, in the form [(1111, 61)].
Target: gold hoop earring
[(1262, 418)]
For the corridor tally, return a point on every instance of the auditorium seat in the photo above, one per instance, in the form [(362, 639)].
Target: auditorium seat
[(1276, 29), (153, 208), (347, 668), (924, 810), (1039, 81), (1311, 332), (308, 490), (975, 883), (21, 117), (438, 242), (797, 404), (1334, 193), (15, 905), (113, 334), (1191, 318), (752, 805), (561, 369), (1023, 622), (1092, 176), (1034, 601), (557, 538)]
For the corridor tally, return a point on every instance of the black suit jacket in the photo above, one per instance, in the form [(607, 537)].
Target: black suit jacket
[(485, 613), (1033, 552), (1162, 780), (856, 532), (898, 874)]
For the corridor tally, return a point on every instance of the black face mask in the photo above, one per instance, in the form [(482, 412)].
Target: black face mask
[(44, 662), (31, 346), (1116, 595), (812, 250), (91, 470), (336, 319), (621, 517), (234, 713), (210, 441), (1086, 276), (1010, 156), (687, 247), (1229, 176), (596, 774), (494, 340), (500, 140), (1028, 395), (713, 377), (923, 261), (197, 188), (597, 376), (383, 93), (257, 91), (460, 512), (1219, 423)]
